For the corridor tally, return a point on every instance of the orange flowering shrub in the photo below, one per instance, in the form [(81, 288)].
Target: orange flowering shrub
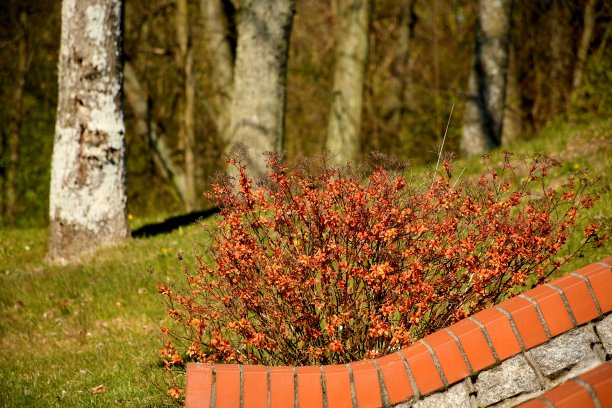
[(327, 268)]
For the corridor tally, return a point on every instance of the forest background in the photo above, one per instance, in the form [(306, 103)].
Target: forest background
[(88, 333), (418, 67)]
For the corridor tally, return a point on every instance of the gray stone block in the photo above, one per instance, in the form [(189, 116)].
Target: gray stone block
[(566, 353), (604, 330), (457, 396), (512, 377)]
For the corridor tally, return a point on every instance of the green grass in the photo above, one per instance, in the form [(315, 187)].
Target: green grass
[(67, 329)]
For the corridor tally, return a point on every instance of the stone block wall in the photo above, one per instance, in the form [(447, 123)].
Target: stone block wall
[(500, 357)]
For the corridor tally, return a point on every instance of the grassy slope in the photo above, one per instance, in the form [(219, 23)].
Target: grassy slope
[(65, 330)]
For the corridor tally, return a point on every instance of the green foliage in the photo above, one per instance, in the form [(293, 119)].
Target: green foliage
[(594, 97)]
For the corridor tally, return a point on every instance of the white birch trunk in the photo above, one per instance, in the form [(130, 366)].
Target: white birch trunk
[(259, 97), (88, 197), (484, 111), (351, 58)]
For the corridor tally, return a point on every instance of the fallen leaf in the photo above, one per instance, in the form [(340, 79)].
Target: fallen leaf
[(98, 390)]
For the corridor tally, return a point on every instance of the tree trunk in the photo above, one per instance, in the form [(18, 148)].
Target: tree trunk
[(512, 126), (260, 76), (148, 131), (186, 129), (16, 120), (583, 47), (351, 59), (557, 81), (400, 70), (482, 123), (216, 35), (88, 199)]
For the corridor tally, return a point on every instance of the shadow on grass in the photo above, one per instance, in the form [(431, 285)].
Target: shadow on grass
[(173, 223)]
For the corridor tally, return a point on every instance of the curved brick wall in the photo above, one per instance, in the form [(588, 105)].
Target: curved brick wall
[(593, 388), (501, 356)]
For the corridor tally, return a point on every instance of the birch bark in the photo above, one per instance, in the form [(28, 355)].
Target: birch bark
[(88, 198), (484, 111), (351, 58), (260, 75)]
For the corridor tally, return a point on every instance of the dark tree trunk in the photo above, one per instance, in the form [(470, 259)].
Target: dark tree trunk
[(16, 120)]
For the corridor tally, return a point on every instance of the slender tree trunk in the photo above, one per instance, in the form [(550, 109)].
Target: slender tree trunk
[(88, 199), (512, 126), (557, 81), (186, 130), (216, 35), (16, 120), (148, 131), (482, 123), (260, 75), (583, 47), (351, 59), (400, 68)]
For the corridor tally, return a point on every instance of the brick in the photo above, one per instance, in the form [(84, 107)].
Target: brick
[(395, 377), (591, 268), (578, 297), (199, 385), (474, 344), (601, 282), (570, 395), (607, 260), (600, 378), (367, 385), (282, 389), (255, 386), (500, 332), (449, 356), (338, 386), (423, 368), (310, 391), (227, 385), (553, 309), (534, 403), (512, 377), (527, 321)]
